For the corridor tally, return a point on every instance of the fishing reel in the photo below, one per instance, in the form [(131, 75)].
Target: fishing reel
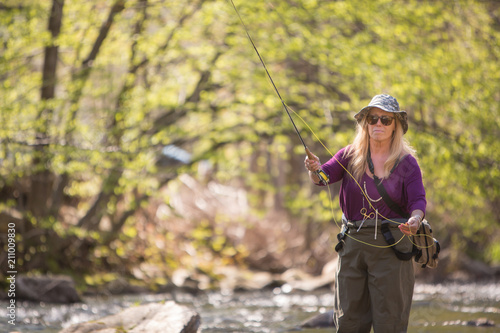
[(323, 177)]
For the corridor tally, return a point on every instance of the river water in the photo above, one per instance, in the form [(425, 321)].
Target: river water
[(436, 308)]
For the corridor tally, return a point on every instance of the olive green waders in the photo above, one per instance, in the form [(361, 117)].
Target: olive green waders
[(373, 287)]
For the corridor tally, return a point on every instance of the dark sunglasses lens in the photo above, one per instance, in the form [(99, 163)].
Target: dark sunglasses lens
[(372, 120), (386, 121)]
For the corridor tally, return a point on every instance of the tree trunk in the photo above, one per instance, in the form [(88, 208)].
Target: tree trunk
[(52, 51), (42, 178)]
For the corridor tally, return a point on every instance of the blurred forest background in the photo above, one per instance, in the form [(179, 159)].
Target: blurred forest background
[(140, 137)]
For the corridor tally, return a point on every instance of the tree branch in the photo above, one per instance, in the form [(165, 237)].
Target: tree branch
[(10, 8), (117, 7), (174, 115), (82, 75)]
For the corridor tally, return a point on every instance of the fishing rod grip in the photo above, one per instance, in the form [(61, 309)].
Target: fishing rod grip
[(309, 154)]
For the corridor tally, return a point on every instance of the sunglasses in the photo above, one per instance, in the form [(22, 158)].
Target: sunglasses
[(373, 120)]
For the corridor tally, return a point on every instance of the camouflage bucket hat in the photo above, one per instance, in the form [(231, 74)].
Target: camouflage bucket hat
[(386, 103)]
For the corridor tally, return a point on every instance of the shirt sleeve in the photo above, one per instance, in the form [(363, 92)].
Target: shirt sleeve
[(336, 167), (414, 187)]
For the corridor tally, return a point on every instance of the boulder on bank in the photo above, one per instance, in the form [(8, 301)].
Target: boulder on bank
[(149, 318), (49, 289), (299, 280)]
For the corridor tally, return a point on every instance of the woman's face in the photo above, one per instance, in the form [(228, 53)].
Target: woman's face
[(378, 131)]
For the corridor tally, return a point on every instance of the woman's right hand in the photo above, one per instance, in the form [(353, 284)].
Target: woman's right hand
[(312, 164)]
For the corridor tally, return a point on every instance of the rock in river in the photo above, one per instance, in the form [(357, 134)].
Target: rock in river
[(50, 289), (319, 321), (151, 318)]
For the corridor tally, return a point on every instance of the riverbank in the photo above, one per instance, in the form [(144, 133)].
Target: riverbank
[(436, 308), (226, 279)]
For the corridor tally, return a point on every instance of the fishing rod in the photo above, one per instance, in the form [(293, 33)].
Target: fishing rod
[(323, 177)]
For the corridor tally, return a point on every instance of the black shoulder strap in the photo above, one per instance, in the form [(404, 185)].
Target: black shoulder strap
[(381, 189), (387, 199)]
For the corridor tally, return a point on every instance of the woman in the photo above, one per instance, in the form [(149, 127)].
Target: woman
[(374, 287)]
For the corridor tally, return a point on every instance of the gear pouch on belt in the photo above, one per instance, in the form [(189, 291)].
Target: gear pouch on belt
[(427, 246)]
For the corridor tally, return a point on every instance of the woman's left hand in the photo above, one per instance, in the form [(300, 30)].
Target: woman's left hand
[(410, 228)]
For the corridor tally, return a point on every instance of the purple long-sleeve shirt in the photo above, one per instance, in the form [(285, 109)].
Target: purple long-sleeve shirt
[(404, 186)]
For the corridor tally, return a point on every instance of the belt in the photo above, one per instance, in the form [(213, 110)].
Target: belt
[(384, 230), (371, 223)]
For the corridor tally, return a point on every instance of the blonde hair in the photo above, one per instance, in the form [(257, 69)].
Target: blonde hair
[(358, 150)]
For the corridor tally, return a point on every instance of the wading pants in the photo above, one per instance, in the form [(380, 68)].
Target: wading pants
[(373, 287)]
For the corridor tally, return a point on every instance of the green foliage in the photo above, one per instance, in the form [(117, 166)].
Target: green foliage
[(438, 58), (85, 164)]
